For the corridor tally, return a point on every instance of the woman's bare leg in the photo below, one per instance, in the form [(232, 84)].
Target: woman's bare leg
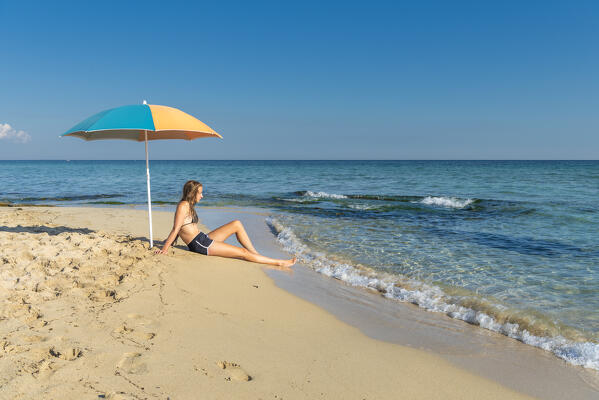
[(234, 227), (226, 250)]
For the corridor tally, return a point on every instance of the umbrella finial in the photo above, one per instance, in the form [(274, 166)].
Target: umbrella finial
[(145, 102)]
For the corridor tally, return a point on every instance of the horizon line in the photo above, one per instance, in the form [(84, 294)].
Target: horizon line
[(308, 159)]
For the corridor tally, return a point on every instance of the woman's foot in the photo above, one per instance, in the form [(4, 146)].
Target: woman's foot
[(288, 263)]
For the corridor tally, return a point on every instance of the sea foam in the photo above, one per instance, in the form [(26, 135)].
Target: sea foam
[(431, 298), (450, 202), (362, 207), (324, 195)]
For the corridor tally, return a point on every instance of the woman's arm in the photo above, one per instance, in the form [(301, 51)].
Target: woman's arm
[(182, 210)]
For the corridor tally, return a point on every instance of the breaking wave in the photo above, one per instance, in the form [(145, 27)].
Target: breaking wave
[(477, 311), (451, 202), (321, 195)]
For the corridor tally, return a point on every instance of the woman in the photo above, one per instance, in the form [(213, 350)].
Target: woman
[(185, 226)]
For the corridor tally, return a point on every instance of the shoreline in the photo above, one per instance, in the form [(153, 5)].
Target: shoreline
[(512, 363), (177, 283)]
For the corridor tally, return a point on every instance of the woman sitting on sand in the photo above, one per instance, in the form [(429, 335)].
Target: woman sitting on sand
[(185, 226)]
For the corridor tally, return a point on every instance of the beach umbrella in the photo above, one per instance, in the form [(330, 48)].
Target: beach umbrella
[(142, 123)]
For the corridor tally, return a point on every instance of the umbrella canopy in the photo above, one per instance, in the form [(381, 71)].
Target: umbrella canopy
[(140, 123), (133, 121)]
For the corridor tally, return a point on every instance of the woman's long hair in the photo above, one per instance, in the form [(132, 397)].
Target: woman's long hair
[(190, 191)]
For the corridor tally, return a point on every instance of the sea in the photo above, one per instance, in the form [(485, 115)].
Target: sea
[(509, 246)]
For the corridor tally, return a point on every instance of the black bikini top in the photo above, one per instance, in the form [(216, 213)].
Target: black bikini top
[(190, 220)]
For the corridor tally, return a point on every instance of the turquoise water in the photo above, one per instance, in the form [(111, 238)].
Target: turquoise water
[(512, 246)]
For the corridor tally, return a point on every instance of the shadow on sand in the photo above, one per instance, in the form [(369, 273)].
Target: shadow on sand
[(52, 231), (57, 230)]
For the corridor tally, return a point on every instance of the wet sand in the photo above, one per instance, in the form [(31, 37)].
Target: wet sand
[(88, 312)]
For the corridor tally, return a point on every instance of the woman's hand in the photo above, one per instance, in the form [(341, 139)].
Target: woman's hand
[(160, 251)]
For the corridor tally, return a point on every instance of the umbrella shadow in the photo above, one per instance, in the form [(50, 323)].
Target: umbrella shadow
[(156, 242), (57, 230), (52, 231), (160, 243)]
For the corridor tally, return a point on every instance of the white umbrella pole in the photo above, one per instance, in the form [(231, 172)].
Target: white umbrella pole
[(149, 195)]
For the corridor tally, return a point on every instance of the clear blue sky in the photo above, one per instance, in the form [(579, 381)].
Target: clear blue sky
[(307, 80)]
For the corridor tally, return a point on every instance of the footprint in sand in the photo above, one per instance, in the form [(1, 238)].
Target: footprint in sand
[(34, 339), (42, 369), (131, 363), (8, 347), (139, 319), (102, 295), (46, 370), (38, 362), (233, 371), (137, 329), (136, 335), (68, 354)]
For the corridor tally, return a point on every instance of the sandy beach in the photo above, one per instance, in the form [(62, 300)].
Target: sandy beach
[(430, 168), (88, 312)]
